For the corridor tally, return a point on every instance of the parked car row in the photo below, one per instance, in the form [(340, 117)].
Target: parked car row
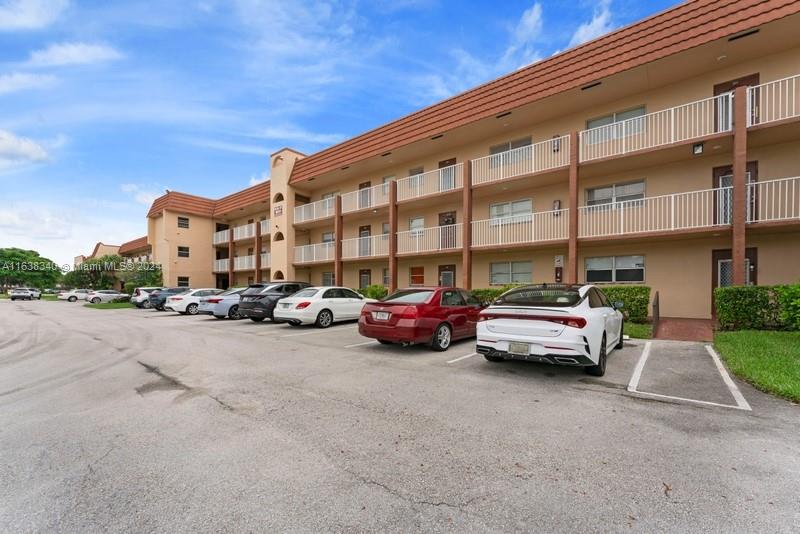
[(24, 293), (91, 295)]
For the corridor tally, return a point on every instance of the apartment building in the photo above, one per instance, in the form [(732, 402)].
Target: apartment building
[(664, 153), (100, 249)]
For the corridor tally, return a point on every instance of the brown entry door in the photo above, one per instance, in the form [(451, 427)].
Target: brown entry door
[(723, 117), (723, 197), (447, 275), (447, 174), (722, 270), (364, 244), (364, 195), (447, 230)]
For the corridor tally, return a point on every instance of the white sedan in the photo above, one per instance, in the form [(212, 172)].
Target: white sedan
[(104, 295), (189, 302), (559, 324), (320, 306)]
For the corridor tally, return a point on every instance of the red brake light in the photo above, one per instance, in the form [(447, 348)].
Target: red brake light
[(303, 305), (214, 301), (176, 298), (574, 322), (409, 312)]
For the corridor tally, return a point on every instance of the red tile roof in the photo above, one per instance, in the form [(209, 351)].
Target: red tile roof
[(678, 29), (136, 244), (186, 203)]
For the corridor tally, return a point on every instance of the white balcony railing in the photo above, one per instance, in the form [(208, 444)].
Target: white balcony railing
[(370, 197), (246, 231), (682, 123), (365, 247), (221, 266), (265, 227), (773, 101), (317, 252), (265, 260), (521, 161), (221, 237), (536, 227), (315, 210), (679, 211), (775, 200), (431, 182), (430, 239), (244, 263)]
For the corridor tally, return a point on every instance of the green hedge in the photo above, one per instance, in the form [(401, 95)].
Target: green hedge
[(635, 298), (489, 294), (374, 291), (758, 307)]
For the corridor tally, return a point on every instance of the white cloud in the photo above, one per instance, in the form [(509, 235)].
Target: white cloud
[(259, 178), (73, 54), (225, 146), (288, 134), (22, 81), (17, 152), (141, 194), (30, 14), (600, 24)]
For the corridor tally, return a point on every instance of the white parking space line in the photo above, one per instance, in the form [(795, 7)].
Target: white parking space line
[(693, 401), (319, 331), (734, 389), (637, 372), (464, 357), (372, 342)]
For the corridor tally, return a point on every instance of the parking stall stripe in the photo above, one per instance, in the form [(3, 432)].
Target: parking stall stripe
[(463, 357), (684, 399), (740, 400), (319, 331), (637, 372), (361, 344)]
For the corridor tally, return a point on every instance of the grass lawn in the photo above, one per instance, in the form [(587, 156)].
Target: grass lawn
[(638, 331), (768, 360), (44, 297), (110, 305)]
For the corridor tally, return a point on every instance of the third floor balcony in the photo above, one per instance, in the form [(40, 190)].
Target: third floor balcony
[(522, 161), (365, 247), (368, 198), (245, 231), (315, 211), (521, 229), (434, 239), (434, 182)]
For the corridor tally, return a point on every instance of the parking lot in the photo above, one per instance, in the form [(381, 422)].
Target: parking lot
[(124, 420)]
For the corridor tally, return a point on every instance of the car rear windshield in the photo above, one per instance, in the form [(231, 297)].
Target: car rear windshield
[(257, 290), (310, 292), (410, 296), (561, 297), (231, 291)]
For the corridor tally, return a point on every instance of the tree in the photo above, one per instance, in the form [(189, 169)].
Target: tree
[(141, 274), (19, 267)]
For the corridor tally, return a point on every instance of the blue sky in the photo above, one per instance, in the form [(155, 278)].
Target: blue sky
[(103, 104)]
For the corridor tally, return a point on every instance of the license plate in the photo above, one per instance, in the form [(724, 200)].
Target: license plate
[(381, 316), (521, 349)]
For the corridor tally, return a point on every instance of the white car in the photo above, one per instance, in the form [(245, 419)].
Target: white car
[(104, 295), (321, 306), (73, 294), (225, 304), (189, 302), (141, 297), (25, 293), (558, 324)]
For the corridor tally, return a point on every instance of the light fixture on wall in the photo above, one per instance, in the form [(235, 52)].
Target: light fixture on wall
[(697, 149)]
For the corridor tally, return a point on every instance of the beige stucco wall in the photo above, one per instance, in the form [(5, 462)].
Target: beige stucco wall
[(166, 237)]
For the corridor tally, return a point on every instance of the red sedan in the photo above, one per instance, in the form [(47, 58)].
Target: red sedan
[(436, 316)]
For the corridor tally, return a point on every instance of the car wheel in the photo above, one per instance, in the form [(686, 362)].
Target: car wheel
[(72, 299), (385, 342), (95, 300), (191, 309), (494, 358), (256, 319), (600, 368), (324, 319), (441, 338), (620, 342), (159, 308), (233, 313), (219, 316), (146, 305)]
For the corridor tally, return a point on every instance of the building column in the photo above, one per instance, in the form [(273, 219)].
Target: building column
[(392, 236), (258, 251), (466, 244), (230, 257), (338, 227), (739, 184), (572, 247)]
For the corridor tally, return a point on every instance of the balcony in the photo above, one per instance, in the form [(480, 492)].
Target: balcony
[(365, 247), (221, 237), (673, 125), (221, 266), (522, 161), (314, 211), (370, 197), (521, 229), (775, 200), (679, 211), (265, 260), (265, 227), (246, 231), (244, 263), (438, 238), (316, 253), (773, 101), (431, 182)]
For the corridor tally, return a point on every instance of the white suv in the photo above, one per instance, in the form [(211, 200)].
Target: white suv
[(25, 293), (73, 294), (141, 297)]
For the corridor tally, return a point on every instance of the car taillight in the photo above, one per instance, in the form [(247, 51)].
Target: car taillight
[(409, 312), (176, 298), (303, 305), (214, 301), (574, 322)]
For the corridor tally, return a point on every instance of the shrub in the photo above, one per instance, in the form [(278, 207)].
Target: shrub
[(374, 291), (489, 294), (121, 299), (635, 298), (747, 308), (788, 301)]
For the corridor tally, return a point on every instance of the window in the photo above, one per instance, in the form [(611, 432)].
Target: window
[(364, 278), (350, 294), (500, 152), (510, 272), (386, 279), (621, 129), (183, 222), (416, 225), (385, 228), (511, 145), (334, 293), (415, 176), (183, 281), (328, 237), (183, 252), (332, 194), (416, 276), (615, 193), (328, 279), (615, 269), (452, 298), (519, 209)]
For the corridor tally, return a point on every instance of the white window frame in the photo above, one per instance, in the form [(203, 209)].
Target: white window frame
[(178, 251), (510, 273), (613, 202), (416, 232), (614, 269), (332, 235), (183, 218), (385, 277), (512, 218), (331, 275), (614, 118)]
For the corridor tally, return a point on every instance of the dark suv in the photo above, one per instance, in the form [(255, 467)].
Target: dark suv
[(159, 297), (258, 300)]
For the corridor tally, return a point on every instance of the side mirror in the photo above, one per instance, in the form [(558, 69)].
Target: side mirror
[(618, 305)]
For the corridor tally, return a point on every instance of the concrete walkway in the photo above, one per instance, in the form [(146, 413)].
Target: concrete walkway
[(680, 329)]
